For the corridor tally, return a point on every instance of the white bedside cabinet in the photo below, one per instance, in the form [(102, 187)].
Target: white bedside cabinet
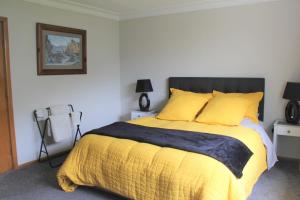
[(138, 114), (282, 128)]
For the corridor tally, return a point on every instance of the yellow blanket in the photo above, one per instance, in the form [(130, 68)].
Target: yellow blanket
[(144, 171)]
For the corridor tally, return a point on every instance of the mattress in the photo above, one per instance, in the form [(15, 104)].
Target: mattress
[(145, 171)]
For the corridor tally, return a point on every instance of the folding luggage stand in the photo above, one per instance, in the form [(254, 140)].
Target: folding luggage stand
[(43, 147)]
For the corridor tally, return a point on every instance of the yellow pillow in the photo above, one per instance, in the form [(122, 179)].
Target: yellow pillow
[(225, 110), (180, 92), (183, 105), (254, 98)]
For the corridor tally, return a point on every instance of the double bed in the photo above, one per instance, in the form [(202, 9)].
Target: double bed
[(140, 170)]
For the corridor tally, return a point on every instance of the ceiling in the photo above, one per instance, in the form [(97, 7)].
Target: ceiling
[(129, 9)]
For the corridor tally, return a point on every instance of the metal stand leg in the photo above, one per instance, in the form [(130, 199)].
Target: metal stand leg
[(43, 147), (77, 132)]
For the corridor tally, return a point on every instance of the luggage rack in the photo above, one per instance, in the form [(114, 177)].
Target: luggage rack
[(47, 125)]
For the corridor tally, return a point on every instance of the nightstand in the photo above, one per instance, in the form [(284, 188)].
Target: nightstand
[(138, 114), (282, 128)]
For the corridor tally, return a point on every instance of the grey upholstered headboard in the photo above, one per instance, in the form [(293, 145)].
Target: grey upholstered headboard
[(208, 84)]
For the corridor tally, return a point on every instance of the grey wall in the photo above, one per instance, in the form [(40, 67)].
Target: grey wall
[(261, 40), (97, 94)]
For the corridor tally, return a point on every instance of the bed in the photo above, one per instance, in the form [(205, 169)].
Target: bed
[(138, 170)]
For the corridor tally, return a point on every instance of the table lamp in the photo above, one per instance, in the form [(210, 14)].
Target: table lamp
[(292, 110), (143, 86)]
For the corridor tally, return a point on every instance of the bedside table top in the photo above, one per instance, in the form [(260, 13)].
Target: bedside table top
[(139, 111), (284, 123)]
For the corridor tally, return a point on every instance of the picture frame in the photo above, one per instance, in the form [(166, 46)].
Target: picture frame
[(60, 50)]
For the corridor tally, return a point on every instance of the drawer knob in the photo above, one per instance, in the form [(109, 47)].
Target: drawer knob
[(288, 131)]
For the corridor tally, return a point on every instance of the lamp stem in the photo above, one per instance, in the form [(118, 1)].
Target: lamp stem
[(292, 112), (142, 106)]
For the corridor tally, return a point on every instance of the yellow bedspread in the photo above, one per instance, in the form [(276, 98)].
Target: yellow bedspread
[(144, 171)]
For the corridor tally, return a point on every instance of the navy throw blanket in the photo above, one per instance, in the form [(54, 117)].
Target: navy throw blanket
[(231, 152)]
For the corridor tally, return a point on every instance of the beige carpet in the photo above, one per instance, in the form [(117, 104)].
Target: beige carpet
[(281, 183), (38, 183)]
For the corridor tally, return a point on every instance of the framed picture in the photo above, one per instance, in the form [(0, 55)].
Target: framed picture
[(60, 50)]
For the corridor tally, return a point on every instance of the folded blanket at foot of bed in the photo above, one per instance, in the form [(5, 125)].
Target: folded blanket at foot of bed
[(228, 150)]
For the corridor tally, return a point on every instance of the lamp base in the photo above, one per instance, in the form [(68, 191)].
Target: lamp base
[(292, 112), (144, 107)]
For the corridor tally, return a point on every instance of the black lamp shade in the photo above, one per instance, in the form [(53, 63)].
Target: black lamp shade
[(292, 91), (143, 85)]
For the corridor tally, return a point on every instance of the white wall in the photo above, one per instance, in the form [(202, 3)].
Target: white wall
[(260, 40), (97, 94)]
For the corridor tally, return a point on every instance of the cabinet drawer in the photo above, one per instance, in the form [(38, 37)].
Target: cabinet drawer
[(287, 130), (135, 115), (138, 114)]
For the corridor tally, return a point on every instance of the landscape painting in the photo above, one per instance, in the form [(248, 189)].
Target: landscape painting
[(61, 50)]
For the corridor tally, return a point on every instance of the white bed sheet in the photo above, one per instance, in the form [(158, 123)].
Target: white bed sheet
[(271, 153)]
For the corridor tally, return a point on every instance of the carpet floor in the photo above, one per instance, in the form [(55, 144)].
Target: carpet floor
[(38, 182)]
